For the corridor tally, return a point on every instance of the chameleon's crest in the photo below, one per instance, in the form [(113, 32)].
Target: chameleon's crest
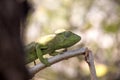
[(46, 39), (59, 31)]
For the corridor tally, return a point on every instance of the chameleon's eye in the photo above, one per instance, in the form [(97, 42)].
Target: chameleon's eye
[(67, 34)]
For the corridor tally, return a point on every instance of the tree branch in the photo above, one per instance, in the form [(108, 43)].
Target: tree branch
[(90, 61), (57, 58), (66, 55)]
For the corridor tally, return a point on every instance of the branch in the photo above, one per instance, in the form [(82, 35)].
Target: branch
[(90, 60), (65, 55), (57, 58)]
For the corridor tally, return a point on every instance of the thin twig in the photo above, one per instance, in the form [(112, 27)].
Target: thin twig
[(65, 55), (90, 60), (57, 58)]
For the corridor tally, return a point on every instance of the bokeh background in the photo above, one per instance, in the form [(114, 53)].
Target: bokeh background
[(96, 21)]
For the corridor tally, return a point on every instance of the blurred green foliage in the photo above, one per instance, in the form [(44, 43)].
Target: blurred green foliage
[(96, 21), (111, 28)]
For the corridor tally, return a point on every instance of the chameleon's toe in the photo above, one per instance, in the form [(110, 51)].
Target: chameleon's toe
[(45, 61)]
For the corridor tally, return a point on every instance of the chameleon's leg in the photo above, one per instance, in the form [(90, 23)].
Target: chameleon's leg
[(56, 53), (40, 56)]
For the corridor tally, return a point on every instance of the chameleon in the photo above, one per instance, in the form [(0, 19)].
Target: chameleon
[(49, 44)]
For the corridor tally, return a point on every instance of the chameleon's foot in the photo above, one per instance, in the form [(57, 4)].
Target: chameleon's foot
[(45, 61), (54, 54)]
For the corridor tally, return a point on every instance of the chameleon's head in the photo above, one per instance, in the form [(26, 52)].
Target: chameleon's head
[(67, 39)]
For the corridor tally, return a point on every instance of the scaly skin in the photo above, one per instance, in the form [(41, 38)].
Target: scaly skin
[(49, 44)]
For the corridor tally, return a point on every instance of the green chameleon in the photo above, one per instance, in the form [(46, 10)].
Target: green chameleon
[(49, 44)]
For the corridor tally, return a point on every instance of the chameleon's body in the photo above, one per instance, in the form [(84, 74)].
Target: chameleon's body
[(49, 44)]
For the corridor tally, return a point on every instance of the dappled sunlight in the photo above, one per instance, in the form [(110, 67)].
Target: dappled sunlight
[(108, 41), (101, 70), (98, 24)]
